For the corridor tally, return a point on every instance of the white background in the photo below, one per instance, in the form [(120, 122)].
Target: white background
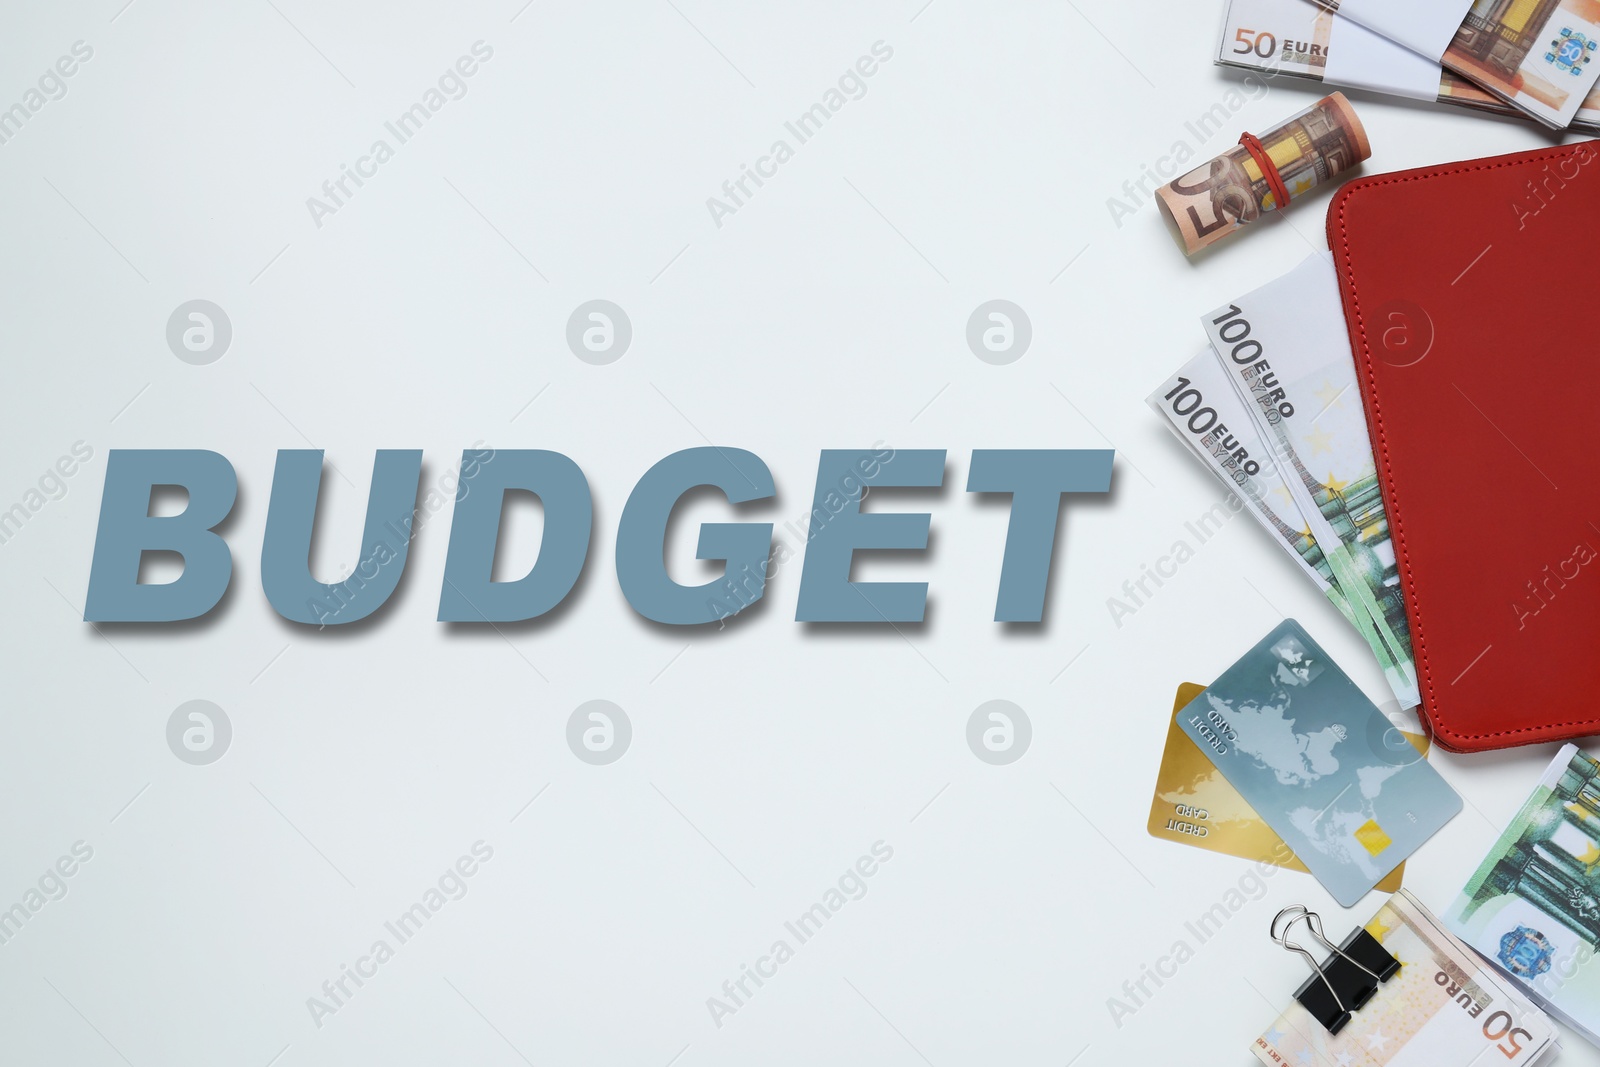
[(828, 312)]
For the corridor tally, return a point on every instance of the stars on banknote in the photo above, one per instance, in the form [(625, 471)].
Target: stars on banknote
[(1320, 427), (1319, 439), (1590, 856), (1376, 1041)]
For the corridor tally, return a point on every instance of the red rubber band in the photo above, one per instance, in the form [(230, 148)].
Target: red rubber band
[(1269, 170)]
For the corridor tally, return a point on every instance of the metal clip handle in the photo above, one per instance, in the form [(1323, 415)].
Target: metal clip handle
[(1313, 921)]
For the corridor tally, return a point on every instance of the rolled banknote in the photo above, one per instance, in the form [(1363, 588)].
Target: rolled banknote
[(1262, 174), (1272, 37), (1445, 1007)]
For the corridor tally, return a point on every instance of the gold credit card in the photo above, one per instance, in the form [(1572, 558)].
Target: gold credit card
[(1195, 805)]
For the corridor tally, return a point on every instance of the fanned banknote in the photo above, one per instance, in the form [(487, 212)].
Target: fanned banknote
[(1537, 55), (1205, 413), (1445, 1008), (1293, 37), (1285, 350), (1533, 904), (1306, 150)]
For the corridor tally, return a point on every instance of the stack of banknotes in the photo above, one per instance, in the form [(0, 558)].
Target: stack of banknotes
[(1445, 1008), (1273, 409), (1552, 40), (1533, 905)]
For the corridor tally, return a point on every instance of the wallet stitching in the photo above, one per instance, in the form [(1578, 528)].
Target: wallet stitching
[(1377, 417)]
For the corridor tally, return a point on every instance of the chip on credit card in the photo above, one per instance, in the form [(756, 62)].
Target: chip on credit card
[(1195, 805), (1319, 762)]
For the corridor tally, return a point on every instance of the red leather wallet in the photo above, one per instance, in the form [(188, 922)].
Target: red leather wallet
[(1469, 291)]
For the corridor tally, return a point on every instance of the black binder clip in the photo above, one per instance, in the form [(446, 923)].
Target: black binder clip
[(1347, 979)]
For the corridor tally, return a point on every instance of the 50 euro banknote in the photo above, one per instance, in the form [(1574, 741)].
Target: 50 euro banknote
[(1537, 55), (1294, 37), (1445, 1008), (1249, 181)]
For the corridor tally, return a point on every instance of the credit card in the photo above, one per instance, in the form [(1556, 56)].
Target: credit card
[(1195, 805), (1319, 762)]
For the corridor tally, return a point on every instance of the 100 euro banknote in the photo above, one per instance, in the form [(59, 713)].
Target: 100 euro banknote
[(1203, 411), (1285, 351)]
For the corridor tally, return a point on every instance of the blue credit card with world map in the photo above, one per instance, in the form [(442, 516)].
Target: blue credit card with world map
[(1319, 762)]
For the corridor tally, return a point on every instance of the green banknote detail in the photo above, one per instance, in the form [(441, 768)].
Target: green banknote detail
[(1287, 354), (1533, 905)]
